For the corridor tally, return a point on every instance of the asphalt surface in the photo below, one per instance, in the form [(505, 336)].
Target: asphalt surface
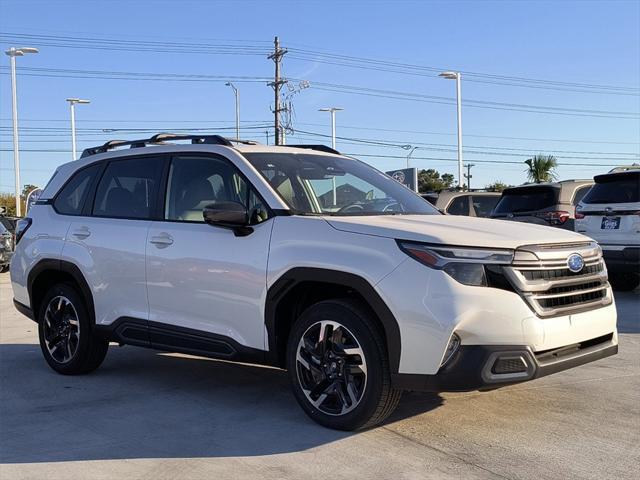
[(150, 415)]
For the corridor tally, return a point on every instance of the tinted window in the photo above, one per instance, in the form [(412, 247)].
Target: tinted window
[(527, 199), (71, 198), (615, 188), (581, 192), (128, 189), (332, 185), (459, 206), (195, 182), (483, 204), (432, 199)]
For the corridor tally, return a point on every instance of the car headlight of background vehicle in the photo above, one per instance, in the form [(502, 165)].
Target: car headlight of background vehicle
[(466, 265)]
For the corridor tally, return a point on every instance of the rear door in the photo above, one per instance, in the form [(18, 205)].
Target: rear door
[(610, 212), (203, 279), (107, 240)]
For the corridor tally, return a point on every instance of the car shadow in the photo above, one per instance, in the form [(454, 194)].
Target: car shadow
[(628, 307), (145, 404)]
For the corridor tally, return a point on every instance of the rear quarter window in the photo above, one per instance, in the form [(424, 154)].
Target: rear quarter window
[(71, 198), (615, 188), (527, 199)]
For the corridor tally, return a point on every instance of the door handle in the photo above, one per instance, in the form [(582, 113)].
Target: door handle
[(162, 240), (81, 233)]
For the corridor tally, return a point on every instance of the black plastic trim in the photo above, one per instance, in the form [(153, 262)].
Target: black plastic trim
[(303, 274), (172, 338), (24, 310), (61, 266), (465, 370)]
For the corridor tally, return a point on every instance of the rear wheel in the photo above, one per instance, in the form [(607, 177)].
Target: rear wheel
[(67, 338), (624, 282), (338, 366)]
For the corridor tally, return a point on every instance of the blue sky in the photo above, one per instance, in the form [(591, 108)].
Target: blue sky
[(589, 42)]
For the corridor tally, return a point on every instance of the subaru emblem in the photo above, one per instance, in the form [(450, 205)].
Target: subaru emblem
[(575, 262)]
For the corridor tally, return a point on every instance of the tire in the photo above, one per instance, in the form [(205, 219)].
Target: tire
[(67, 337), (350, 367), (624, 282), (4, 268)]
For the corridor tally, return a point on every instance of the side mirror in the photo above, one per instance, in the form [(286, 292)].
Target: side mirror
[(231, 215)]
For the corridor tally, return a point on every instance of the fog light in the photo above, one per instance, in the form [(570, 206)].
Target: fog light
[(452, 348)]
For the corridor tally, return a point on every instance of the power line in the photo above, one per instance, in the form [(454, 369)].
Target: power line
[(352, 127), (339, 88)]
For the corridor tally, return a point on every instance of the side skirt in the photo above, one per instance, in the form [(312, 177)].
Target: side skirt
[(171, 338)]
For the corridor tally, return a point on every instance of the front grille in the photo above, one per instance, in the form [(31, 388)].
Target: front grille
[(561, 272), (542, 277)]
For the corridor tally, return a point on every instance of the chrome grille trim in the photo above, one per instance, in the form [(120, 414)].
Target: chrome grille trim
[(557, 290)]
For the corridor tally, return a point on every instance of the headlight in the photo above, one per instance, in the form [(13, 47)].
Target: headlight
[(465, 265)]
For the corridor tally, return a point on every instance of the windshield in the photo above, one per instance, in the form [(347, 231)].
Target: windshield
[(616, 188), (326, 185), (526, 199)]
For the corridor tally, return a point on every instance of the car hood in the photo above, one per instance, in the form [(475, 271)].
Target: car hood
[(455, 230)]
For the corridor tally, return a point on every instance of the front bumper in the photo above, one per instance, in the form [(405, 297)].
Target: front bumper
[(626, 259), (486, 367)]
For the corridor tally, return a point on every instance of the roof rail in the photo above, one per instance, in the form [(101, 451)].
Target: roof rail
[(159, 139), (321, 148)]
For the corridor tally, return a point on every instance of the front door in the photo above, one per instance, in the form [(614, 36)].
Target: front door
[(205, 278)]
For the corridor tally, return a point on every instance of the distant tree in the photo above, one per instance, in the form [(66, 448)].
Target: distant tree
[(26, 189), (430, 180), (8, 200), (541, 168), (497, 186)]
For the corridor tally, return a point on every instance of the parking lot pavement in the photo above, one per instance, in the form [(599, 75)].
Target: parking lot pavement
[(153, 415)]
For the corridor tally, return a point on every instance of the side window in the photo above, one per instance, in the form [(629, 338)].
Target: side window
[(581, 192), (195, 182), (459, 206), (71, 198), (128, 189), (483, 204)]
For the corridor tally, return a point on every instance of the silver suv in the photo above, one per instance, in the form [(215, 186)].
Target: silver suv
[(470, 204), (551, 204)]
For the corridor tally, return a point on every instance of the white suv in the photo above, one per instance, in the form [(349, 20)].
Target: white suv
[(303, 259), (610, 214)]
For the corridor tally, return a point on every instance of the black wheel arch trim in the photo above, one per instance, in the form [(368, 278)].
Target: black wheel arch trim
[(57, 265), (297, 275)]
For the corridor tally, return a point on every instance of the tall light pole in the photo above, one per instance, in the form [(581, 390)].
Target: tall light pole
[(237, 94), (456, 76), (333, 111), (413, 149), (72, 106), (13, 53)]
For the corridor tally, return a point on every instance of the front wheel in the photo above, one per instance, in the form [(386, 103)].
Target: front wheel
[(338, 366), (67, 338)]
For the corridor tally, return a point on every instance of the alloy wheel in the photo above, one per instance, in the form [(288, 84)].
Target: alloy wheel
[(331, 367), (61, 329)]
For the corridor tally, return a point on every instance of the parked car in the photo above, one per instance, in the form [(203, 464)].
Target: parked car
[(223, 249), (471, 204), (610, 214), (551, 204), (9, 223), (6, 248)]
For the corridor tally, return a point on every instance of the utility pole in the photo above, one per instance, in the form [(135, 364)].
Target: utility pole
[(457, 77), (469, 176), (237, 95), (276, 56)]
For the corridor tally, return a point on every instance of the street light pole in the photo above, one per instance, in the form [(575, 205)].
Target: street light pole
[(13, 53), (457, 77), (72, 106), (333, 111), (410, 153), (237, 94)]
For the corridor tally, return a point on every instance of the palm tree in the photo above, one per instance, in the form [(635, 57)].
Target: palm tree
[(541, 168)]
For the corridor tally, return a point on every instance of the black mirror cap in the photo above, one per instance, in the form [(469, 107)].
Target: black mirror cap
[(231, 215)]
